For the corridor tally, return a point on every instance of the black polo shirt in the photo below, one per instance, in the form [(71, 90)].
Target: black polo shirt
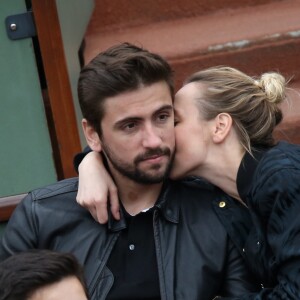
[(133, 260)]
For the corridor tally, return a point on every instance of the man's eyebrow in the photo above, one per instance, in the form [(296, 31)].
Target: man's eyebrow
[(134, 119), (165, 107), (126, 120)]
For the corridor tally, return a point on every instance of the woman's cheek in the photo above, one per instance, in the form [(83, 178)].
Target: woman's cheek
[(177, 136)]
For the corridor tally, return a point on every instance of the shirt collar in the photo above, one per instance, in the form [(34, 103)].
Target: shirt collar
[(169, 209)]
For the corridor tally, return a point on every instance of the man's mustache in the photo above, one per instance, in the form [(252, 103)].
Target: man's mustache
[(152, 152)]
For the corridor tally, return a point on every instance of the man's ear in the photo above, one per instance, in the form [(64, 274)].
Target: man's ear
[(222, 127), (91, 136)]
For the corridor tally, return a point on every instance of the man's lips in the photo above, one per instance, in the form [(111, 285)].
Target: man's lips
[(154, 158)]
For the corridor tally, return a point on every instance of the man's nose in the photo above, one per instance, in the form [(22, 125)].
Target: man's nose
[(151, 137)]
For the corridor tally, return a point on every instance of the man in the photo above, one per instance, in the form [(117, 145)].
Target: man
[(42, 275), (169, 243)]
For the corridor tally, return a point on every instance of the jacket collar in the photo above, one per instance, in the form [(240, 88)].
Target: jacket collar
[(168, 207), (247, 170), (167, 203)]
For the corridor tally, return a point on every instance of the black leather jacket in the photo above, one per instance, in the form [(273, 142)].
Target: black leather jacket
[(196, 258)]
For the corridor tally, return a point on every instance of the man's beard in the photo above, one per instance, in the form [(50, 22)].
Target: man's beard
[(132, 171)]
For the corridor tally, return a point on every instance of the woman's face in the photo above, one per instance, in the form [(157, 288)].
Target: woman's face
[(191, 131)]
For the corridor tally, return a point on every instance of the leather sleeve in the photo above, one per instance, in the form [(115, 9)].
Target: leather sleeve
[(20, 234)]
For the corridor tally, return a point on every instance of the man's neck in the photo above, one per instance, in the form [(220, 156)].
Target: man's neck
[(135, 196)]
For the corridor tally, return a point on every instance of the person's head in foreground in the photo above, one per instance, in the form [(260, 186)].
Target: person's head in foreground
[(42, 275), (126, 97), (221, 113)]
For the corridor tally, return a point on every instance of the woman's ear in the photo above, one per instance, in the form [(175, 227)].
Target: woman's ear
[(222, 127), (91, 136)]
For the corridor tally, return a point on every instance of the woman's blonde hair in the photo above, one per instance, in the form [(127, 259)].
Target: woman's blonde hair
[(251, 102)]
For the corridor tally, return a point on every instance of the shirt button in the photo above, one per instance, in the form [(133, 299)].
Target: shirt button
[(222, 204), (169, 212), (131, 247)]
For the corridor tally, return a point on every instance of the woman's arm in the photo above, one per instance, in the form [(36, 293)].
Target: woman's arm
[(96, 189), (280, 195)]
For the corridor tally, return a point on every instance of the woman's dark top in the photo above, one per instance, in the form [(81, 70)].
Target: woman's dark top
[(269, 184)]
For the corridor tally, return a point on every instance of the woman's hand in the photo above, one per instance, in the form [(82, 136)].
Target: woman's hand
[(96, 188)]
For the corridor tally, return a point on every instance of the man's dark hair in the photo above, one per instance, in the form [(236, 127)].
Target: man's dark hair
[(23, 273), (121, 68)]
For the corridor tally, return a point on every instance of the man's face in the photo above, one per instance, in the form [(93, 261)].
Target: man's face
[(138, 133)]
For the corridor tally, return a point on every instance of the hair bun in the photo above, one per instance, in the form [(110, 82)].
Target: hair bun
[(274, 86)]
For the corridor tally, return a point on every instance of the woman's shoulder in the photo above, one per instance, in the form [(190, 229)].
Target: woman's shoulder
[(280, 157), (277, 174)]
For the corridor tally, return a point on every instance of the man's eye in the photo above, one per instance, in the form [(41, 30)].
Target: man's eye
[(163, 117), (175, 122), (130, 126)]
